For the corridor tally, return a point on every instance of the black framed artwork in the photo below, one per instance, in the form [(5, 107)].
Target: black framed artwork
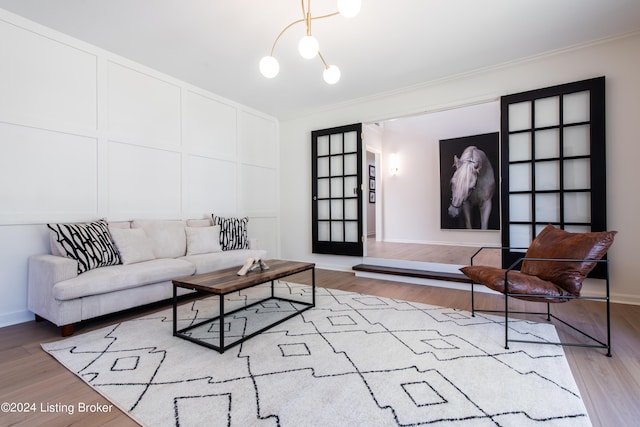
[(469, 190), (372, 184)]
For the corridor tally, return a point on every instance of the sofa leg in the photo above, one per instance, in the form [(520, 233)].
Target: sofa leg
[(67, 330)]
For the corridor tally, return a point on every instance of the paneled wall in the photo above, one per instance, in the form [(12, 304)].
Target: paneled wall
[(86, 134)]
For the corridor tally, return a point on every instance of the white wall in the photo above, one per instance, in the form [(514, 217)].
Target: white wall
[(411, 202), (617, 59), (85, 134)]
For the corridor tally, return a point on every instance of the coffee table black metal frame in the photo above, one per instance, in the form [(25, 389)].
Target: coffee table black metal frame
[(227, 281)]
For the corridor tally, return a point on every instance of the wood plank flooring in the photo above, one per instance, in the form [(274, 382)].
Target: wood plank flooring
[(441, 254), (610, 387)]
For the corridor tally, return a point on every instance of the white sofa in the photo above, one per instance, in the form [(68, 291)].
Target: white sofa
[(151, 254)]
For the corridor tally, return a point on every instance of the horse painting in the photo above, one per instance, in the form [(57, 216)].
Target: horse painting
[(473, 184)]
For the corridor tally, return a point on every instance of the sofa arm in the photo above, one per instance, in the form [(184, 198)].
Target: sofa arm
[(44, 272)]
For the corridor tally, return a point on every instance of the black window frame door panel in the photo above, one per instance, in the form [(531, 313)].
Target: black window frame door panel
[(337, 246), (596, 157)]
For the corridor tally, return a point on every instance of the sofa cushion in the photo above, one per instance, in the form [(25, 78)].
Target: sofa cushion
[(203, 240), (203, 222), (119, 224), (168, 236), (553, 242), (233, 232), (133, 245), (117, 277), (98, 305), (205, 263), (89, 243)]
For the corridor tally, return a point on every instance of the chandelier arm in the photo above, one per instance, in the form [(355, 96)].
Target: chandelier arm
[(273, 48), (325, 16), (308, 16), (323, 61), (306, 13)]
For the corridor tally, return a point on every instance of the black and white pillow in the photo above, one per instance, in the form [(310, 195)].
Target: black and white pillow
[(233, 232), (88, 243)]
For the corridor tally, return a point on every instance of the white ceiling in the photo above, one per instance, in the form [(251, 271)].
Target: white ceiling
[(217, 44)]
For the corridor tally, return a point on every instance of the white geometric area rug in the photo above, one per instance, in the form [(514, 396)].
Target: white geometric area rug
[(353, 360)]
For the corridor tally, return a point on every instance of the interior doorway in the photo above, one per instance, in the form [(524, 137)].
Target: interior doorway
[(372, 194), (407, 185)]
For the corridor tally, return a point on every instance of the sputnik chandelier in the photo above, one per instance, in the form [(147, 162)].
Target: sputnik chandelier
[(308, 46)]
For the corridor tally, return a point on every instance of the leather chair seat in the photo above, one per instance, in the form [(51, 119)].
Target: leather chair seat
[(519, 283)]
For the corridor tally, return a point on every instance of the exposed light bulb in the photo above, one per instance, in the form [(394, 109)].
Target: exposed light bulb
[(308, 47), (269, 67), (349, 8), (331, 74)]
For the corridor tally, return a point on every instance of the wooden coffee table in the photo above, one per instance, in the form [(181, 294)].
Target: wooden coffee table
[(226, 281)]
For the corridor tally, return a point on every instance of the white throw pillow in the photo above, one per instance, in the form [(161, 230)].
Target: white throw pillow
[(203, 240), (168, 236), (133, 244)]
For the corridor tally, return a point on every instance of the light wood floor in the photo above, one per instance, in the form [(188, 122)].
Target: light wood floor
[(441, 254), (610, 387)]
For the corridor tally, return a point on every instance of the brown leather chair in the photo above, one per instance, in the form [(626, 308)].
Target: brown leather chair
[(552, 271)]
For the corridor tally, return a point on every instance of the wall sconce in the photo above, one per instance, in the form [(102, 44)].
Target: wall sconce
[(394, 164)]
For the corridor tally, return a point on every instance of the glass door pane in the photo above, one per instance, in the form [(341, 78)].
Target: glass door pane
[(337, 196)]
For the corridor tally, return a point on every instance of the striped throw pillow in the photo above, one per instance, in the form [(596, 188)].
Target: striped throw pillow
[(233, 232), (88, 243)]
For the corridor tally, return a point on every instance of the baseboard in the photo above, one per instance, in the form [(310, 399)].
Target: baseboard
[(596, 288), (15, 317), (625, 299)]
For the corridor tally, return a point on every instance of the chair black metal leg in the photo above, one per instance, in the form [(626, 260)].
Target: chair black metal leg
[(473, 307), (506, 321), (548, 312), (608, 317)]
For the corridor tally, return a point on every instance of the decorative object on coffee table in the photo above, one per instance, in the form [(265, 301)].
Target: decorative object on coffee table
[(252, 264)]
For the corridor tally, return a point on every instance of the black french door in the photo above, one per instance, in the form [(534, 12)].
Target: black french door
[(336, 166), (553, 162)]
